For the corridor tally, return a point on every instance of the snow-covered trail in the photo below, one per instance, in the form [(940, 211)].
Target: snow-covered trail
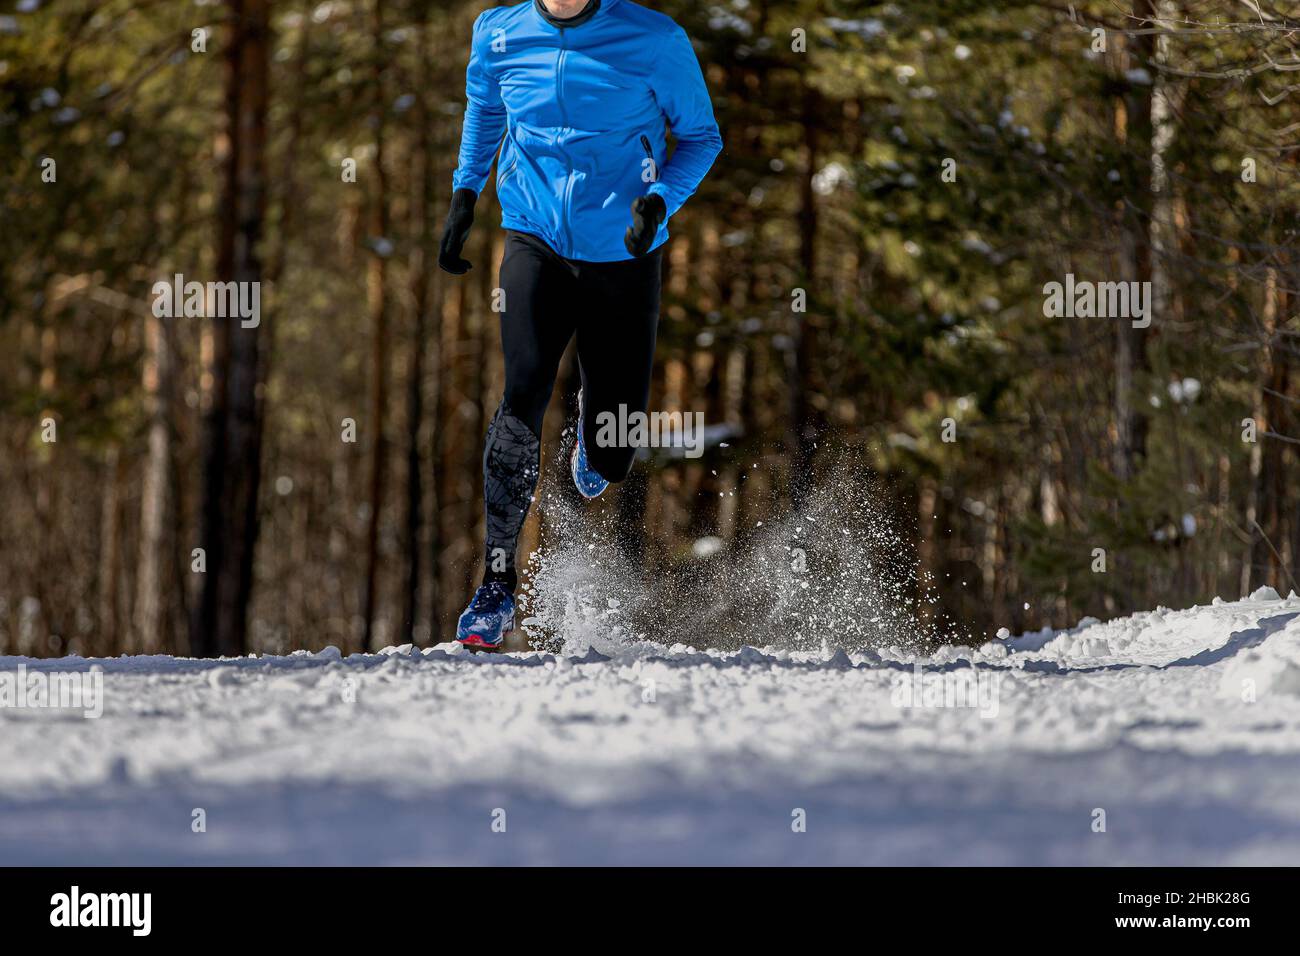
[(668, 755)]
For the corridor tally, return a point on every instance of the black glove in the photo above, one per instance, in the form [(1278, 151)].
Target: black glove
[(648, 213), (459, 218)]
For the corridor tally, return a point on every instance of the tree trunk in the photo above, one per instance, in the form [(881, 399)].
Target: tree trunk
[(421, 257), (1265, 525), (802, 355), (376, 294), (232, 455), (447, 481), (481, 331), (1131, 361), (110, 556), (150, 631)]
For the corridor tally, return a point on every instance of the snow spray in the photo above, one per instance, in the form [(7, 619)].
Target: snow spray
[(835, 574)]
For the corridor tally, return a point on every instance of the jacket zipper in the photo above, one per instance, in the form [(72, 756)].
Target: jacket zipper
[(564, 117)]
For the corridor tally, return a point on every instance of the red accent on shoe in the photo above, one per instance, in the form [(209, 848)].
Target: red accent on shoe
[(478, 640)]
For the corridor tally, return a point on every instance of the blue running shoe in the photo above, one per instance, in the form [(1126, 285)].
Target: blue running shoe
[(489, 617), (588, 480)]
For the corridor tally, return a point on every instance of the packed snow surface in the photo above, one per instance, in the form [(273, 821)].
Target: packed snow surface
[(1168, 737)]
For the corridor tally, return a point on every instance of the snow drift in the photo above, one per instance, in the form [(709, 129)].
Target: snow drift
[(1168, 737)]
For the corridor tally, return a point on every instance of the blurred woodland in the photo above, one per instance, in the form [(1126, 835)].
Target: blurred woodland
[(920, 170)]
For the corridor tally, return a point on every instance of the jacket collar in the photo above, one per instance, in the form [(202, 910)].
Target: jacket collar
[(577, 20)]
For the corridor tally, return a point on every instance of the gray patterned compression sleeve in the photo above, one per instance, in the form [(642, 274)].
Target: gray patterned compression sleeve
[(511, 463)]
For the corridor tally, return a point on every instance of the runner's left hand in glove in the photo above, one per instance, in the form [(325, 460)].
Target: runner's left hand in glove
[(648, 213)]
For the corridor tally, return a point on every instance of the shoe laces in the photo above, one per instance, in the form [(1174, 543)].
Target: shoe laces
[(490, 596)]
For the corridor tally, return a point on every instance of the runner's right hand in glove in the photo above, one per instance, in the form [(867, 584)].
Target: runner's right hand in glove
[(459, 218)]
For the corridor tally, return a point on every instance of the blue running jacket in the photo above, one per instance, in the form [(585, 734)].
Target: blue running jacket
[(582, 110)]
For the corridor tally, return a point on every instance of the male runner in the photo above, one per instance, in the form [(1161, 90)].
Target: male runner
[(580, 90)]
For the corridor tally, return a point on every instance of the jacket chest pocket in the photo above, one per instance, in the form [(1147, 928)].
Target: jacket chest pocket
[(598, 98)]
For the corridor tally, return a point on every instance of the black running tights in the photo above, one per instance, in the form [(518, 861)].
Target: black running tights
[(613, 308)]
